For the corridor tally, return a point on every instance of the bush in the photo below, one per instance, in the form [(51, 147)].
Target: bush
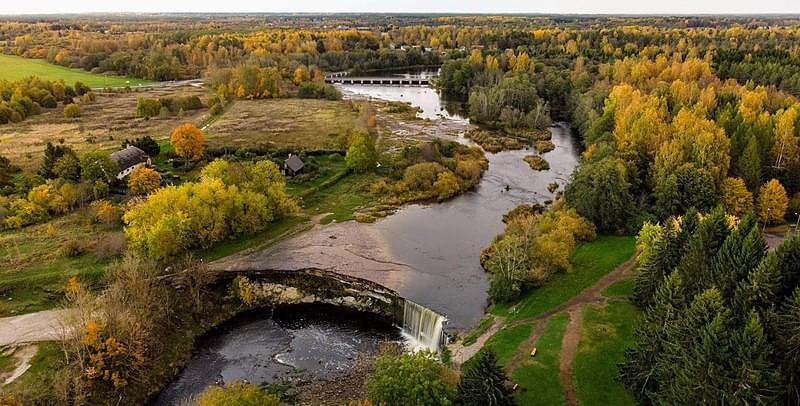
[(237, 393), (410, 380), (422, 176), (537, 163), (72, 249), (111, 245), (146, 107), (72, 111)]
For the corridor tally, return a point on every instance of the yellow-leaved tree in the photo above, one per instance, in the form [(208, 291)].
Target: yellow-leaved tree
[(143, 181), (772, 202), (188, 141), (736, 199)]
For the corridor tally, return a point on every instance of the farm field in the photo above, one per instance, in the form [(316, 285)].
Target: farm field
[(304, 124), (16, 67), (105, 123)]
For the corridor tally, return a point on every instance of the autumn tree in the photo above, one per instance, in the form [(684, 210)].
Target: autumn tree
[(410, 380), (772, 202), (143, 181), (188, 141), (735, 196), (361, 155)]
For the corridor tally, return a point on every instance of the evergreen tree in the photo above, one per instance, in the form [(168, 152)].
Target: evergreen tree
[(761, 287), (741, 252), (638, 371), (663, 259), (788, 348), (702, 247), (484, 383), (52, 153), (788, 257), (691, 366), (753, 378), (749, 164)]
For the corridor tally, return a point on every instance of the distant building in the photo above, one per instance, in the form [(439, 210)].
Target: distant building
[(129, 159), (293, 165)]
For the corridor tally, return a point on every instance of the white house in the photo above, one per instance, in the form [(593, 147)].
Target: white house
[(129, 159)]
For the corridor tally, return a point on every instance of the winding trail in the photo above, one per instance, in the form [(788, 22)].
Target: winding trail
[(572, 335), (569, 346)]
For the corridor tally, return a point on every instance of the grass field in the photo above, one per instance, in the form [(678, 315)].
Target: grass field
[(591, 261), (16, 67), (538, 376), (33, 270), (302, 124), (105, 123), (606, 333)]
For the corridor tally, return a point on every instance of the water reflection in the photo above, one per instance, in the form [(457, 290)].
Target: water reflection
[(442, 242)]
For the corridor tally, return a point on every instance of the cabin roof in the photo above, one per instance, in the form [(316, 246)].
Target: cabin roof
[(294, 163), (129, 156)]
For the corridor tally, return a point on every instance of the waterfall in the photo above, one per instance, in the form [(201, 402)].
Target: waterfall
[(422, 327)]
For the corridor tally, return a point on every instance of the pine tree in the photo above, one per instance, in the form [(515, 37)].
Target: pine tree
[(788, 257), (638, 371), (749, 164), (695, 347), (741, 252), (484, 383), (753, 379), (788, 345), (761, 287), (658, 265), (702, 247)]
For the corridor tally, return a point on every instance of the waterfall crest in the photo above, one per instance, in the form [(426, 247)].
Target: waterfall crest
[(422, 327)]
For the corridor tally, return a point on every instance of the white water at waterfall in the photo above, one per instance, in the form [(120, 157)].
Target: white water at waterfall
[(422, 327)]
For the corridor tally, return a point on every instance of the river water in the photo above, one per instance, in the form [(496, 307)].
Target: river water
[(440, 242)]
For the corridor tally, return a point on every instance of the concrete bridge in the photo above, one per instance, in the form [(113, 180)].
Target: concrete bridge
[(399, 81)]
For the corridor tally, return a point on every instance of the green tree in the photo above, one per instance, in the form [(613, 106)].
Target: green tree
[(483, 382), (361, 155), (749, 164), (600, 192), (68, 167), (7, 171), (52, 152), (701, 249), (98, 166), (410, 380)]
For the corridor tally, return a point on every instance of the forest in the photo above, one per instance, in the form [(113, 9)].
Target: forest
[(688, 135)]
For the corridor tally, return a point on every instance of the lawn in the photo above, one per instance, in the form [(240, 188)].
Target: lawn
[(538, 377), (620, 288), (33, 270), (591, 261), (505, 342), (606, 333), (16, 67)]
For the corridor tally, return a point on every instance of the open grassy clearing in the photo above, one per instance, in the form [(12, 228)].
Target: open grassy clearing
[(591, 261), (622, 288), (34, 270), (506, 341), (39, 377), (16, 67), (105, 123), (302, 124), (538, 376), (606, 332)]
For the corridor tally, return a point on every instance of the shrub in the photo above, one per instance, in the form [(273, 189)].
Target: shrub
[(146, 107), (72, 111), (446, 185), (72, 249), (410, 380), (422, 176), (537, 163), (237, 393), (143, 181), (111, 245)]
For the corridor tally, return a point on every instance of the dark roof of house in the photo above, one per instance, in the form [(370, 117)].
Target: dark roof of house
[(294, 163), (129, 156)]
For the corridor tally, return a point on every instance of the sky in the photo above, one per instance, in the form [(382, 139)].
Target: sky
[(408, 6)]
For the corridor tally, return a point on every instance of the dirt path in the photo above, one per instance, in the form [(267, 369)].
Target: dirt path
[(460, 354), (569, 346), (32, 327), (526, 347), (591, 294)]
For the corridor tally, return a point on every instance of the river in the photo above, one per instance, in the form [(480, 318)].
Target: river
[(428, 253)]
